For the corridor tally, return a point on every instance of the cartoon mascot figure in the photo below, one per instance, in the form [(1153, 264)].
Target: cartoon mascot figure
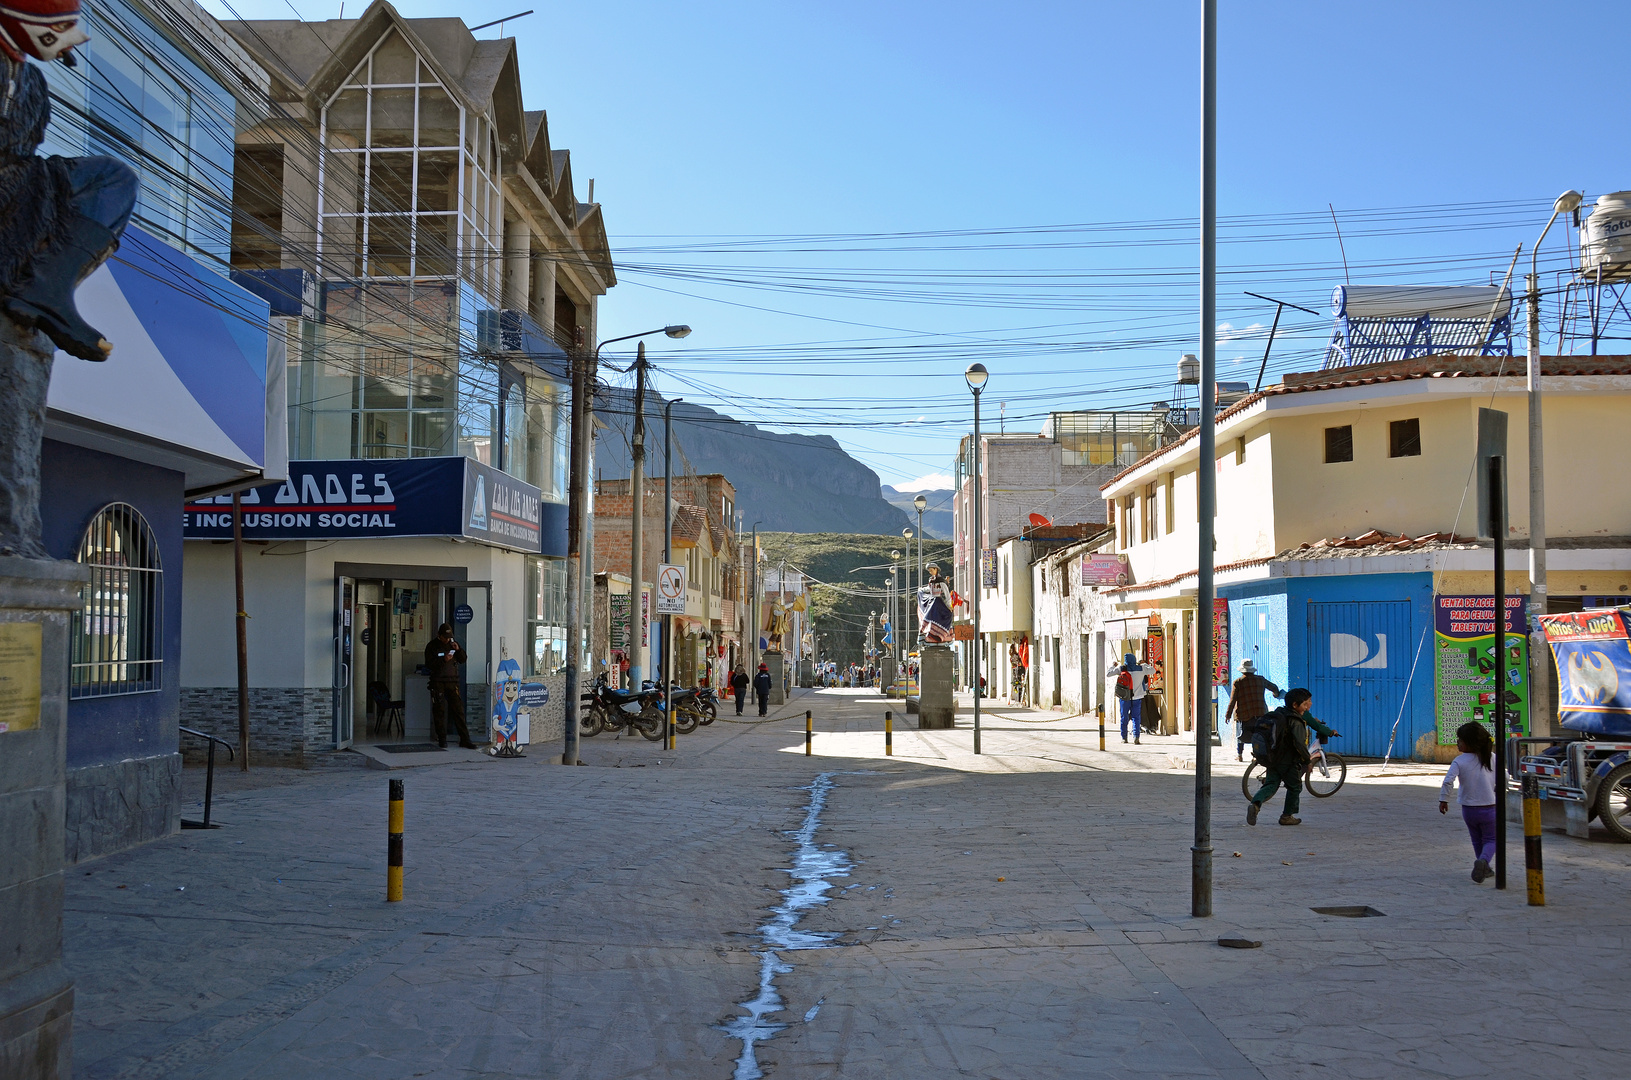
[(509, 715)]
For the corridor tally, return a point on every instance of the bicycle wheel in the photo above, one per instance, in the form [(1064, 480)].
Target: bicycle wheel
[(1251, 779), (1325, 778)]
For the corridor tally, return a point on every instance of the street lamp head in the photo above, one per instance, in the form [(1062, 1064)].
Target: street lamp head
[(975, 376), (921, 502), (1567, 202), (895, 554), (907, 532), (677, 331)]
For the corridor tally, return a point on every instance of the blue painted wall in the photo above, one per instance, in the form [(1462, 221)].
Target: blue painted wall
[(76, 483), (1289, 662)]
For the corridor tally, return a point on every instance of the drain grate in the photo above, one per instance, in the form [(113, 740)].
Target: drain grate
[(1351, 911), (411, 748)]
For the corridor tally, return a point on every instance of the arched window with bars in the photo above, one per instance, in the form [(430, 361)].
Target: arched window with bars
[(116, 639)]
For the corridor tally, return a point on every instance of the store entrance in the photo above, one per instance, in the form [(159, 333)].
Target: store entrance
[(382, 625)]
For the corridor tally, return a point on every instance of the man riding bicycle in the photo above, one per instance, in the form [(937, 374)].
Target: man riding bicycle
[(1282, 746)]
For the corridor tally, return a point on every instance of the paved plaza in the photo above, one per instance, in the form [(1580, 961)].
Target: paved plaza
[(734, 908)]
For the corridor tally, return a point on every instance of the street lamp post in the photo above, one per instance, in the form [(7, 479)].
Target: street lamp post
[(668, 556), (637, 483), (975, 376), (753, 606), (909, 594), (921, 503), (1540, 655)]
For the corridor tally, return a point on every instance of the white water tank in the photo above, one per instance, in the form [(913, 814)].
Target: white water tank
[(1189, 370), (1605, 239)]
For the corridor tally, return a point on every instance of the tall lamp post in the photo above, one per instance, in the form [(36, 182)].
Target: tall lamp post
[(753, 607), (1200, 878), (975, 376), (921, 503), (908, 594), (1540, 656), (668, 556), (637, 483)]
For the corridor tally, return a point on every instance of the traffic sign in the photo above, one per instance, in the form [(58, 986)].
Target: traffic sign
[(670, 589)]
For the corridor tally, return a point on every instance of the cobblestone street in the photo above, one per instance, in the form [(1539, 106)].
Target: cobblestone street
[(1022, 914)]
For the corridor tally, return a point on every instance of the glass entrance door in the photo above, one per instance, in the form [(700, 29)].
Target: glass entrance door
[(345, 606), (468, 605)]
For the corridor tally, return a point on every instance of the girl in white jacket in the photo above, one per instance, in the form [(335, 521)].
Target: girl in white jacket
[(1474, 768)]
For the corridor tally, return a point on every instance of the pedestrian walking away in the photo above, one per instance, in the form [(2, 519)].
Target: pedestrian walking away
[(1130, 684), (761, 687), (1474, 770), (739, 689), (443, 656), (1281, 744), (1247, 704)]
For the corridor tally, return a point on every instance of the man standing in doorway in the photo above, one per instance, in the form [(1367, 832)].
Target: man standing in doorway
[(1287, 754), (443, 656), (1247, 703)]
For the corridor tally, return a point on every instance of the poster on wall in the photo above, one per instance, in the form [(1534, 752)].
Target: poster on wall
[(1468, 670), (988, 567), (621, 606), (1101, 568), (1593, 653), (1220, 642), (1155, 657), (645, 619)]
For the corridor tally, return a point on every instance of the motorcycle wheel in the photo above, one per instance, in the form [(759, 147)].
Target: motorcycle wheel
[(591, 723), (649, 726), (685, 721), (710, 713)]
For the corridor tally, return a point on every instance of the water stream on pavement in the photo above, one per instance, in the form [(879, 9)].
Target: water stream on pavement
[(812, 871)]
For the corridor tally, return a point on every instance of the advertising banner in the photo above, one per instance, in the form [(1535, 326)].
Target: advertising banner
[(988, 567), (1593, 654), (1101, 568), (359, 499), (1220, 642), (1155, 658), (622, 605), (1468, 672)]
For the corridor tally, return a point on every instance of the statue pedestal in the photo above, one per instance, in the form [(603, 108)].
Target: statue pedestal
[(36, 994), (778, 691), (935, 707)]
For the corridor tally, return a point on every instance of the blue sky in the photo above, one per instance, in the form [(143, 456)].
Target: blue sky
[(758, 162)]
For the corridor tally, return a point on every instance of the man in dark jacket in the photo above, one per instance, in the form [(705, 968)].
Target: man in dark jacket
[(1247, 703), (739, 689), (761, 688), (1288, 754), (443, 656)]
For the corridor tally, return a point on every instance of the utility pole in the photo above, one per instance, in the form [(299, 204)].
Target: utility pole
[(1200, 902), (753, 606), (668, 556), (637, 500), (581, 418), (243, 631)]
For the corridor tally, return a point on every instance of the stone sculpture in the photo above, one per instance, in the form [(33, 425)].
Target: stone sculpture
[(60, 219)]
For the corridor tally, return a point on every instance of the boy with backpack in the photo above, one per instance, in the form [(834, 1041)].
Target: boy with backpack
[(1281, 744), (1129, 688)]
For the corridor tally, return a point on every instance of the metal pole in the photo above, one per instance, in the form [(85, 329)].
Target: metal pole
[(1497, 527), (574, 552), (1536, 877), (921, 576), (1540, 668), (753, 604), (393, 843), (888, 734), (668, 556), (243, 630), (637, 499), (979, 572), (1200, 903), (1264, 366)]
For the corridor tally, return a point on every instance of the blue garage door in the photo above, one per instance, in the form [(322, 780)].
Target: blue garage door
[(1359, 655)]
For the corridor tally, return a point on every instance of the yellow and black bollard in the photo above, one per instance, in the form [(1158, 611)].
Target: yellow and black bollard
[(888, 734), (1101, 725), (1531, 842), (809, 733), (393, 846)]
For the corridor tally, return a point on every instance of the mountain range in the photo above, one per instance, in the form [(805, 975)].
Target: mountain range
[(936, 516), (788, 483)]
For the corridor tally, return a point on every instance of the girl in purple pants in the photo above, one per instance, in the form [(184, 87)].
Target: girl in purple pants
[(1474, 768)]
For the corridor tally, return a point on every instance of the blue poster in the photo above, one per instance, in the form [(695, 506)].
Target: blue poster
[(1593, 654)]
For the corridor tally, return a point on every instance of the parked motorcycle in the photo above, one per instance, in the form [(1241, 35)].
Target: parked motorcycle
[(616, 710)]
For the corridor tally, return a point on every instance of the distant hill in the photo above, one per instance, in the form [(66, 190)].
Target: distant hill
[(936, 518), (852, 565), (792, 483)]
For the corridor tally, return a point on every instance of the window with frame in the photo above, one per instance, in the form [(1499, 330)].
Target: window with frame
[(1404, 438), (1149, 529), (116, 638), (546, 615), (1339, 444), (1171, 506)]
